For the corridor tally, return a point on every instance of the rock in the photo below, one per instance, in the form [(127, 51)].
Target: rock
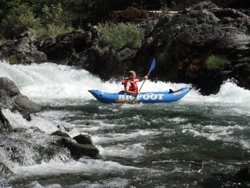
[(83, 139), (4, 124), (243, 174), (60, 133), (83, 146), (218, 180), (241, 73), (13, 99), (79, 150), (65, 45), (22, 50), (124, 54), (5, 174), (182, 42)]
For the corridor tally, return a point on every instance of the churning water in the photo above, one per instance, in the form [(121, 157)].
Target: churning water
[(176, 144)]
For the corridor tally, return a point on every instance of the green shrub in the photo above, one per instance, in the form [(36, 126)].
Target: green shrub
[(18, 20), (55, 15), (214, 62), (51, 30), (53, 20), (120, 35)]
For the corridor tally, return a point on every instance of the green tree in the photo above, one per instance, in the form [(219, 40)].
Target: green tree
[(120, 35), (53, 14), (54, 21), (6, 5), (18, 20)]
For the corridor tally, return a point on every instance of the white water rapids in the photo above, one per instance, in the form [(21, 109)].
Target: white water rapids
[(59, 86)]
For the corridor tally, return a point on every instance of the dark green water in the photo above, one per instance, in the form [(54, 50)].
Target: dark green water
[(167, 145), (179, 144)]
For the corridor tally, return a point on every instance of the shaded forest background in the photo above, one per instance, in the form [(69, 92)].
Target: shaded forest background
[(53, 17)]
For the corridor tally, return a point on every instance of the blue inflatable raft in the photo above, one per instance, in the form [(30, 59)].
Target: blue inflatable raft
[(143, 97)]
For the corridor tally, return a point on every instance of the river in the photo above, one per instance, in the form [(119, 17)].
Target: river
[(178, 144)]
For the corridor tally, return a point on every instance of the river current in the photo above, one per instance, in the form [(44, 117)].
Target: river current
[(178, 144)]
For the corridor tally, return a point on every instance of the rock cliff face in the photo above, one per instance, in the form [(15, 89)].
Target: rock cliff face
[(180, 41), (22, 50)]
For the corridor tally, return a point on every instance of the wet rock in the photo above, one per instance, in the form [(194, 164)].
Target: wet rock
[(244, 174), (13, 99), (36, 130), (240, 179), (60, 133), (241, 73), (20, 130), (5, 173), (218, 181), (80, 146), (4, 124), (83, 139), (80, 150)]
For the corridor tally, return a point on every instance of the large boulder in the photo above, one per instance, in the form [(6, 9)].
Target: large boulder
[(66, 45), (11, 98)]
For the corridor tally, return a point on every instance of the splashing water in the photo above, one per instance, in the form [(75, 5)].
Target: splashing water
[(172, 145)]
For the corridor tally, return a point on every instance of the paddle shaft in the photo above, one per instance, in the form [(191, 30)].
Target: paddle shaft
[(141, 87), (151, 68), (143, 82)]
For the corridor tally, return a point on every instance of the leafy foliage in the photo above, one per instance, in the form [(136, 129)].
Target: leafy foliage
[(17, 21), (54, 14), (5, 6), (120, 35), (46, 15), (214, 62), (53, 20), (20, 19), (50, 30)]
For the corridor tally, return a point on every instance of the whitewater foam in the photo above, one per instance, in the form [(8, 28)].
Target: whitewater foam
[(49, 81)]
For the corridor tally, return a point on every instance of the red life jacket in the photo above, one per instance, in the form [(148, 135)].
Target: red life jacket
[(133, 85)]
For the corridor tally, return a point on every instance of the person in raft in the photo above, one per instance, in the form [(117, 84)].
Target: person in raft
[(130, 85)]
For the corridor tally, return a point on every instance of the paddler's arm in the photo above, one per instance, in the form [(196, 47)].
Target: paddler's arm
[(142, 78)]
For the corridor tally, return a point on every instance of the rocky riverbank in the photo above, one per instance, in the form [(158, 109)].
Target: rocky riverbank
[(180, 41), (16, 142)]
